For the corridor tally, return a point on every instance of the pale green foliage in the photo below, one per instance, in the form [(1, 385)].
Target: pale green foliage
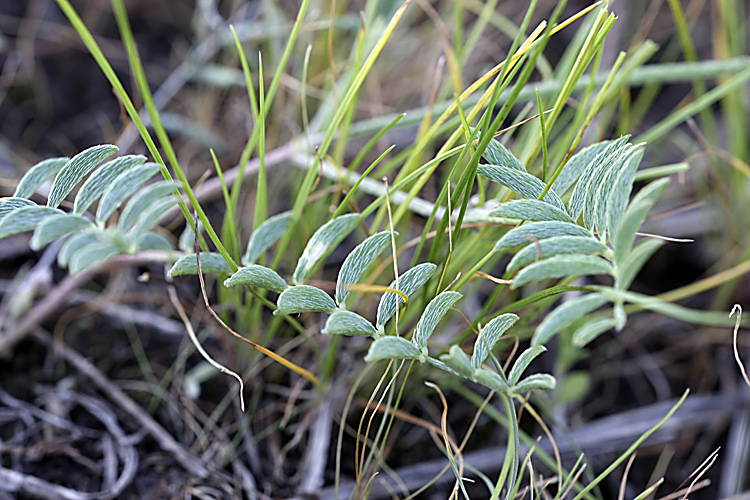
[(533, 210), (642, 251), (121, 187), (590, 331), (304, 298), (75, 170), (583, 186), (409, 282), (57, 226), (523, 362), (521, 182), (103, 178), (357, 262), (393, 348), (575, 167), (623, 238), (492, 380), (148, 219), (211, 263), (497, 154), (325, 239), (7, 205), (565, 315), (458, 361), (257, 276), (142, 201), (535, 382), (562, 265), (155, 241), (38, 175), (433, 313), (349, 323), (553, 242), (534, 231), (25, 219), (265, 235), (75, 243), (111, 184), (556, 246), (92, 254), (489, 336)]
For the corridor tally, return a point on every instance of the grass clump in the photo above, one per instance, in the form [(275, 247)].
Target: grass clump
[(442, 256)]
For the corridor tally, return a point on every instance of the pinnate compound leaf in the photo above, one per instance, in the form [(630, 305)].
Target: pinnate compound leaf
[(349, 323), (578, 198), (257, 276), (7, 205), (523, 183), (535, 382), (104, 177), (621, 168), (566, 314), (357, 263), (636, 259), (409, 282), (76, 242), (562, 265), (432, 315), (211, 263), (489, 336), (142, 200), (685, 314), (25, 219), (592, 330), (92, 254), (576, 166), (57, 226), (533, 210), (624, 235), (557, 245), (533, 231), (38, 175), (392, 348), (325, 238), (457, 360), (595, 189), (304, 298), (75, 170), (150, 217), (265, 235), (491, 380), (619, 191), (497, 154), (122, 187), (523, 362), (442, 366), (155, 241)]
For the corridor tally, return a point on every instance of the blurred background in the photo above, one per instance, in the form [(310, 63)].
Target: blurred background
[(55, 101)]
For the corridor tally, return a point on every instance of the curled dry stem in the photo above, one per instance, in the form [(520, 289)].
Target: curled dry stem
[(449, 442), (738, 308), (279, 359), (199, 347)]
